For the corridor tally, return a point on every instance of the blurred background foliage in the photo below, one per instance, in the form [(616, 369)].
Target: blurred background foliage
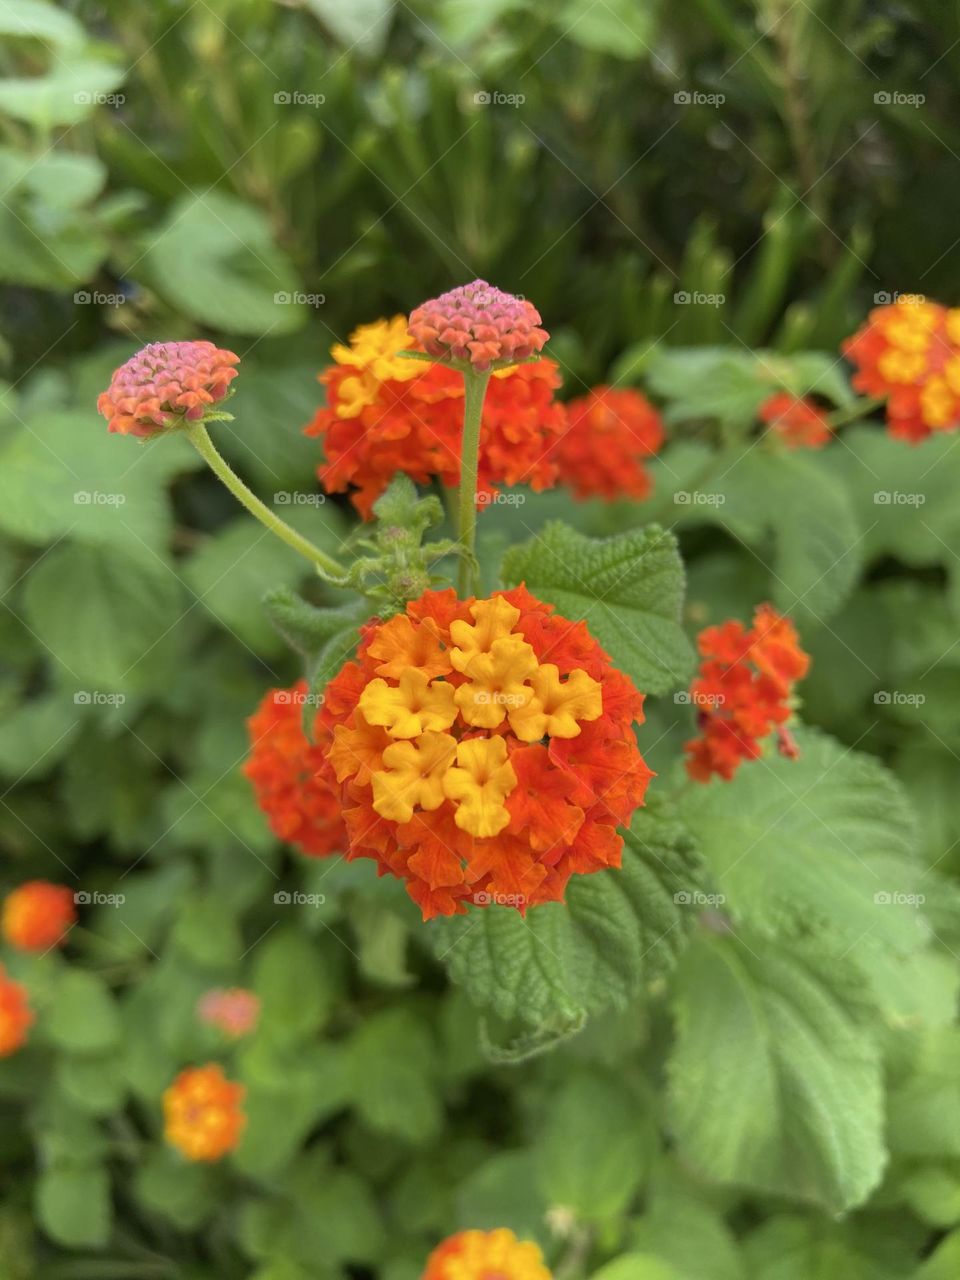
[(270, 175)]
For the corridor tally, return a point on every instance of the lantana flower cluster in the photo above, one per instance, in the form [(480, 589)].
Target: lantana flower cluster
[(482, 750), (16, 1015), (290, 777), (908, 352), (38, 915), (608, 436), (796, 420), (165, 385), (485, 1255), (203, 1113), (743, 692), (387, 413)]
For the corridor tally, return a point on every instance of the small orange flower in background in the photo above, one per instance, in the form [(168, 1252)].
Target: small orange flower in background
[(203, 1117), (166, 384), (38, 915), (290, 778), (479, 324), (234, 1011), (15, 1015), (484, 750), (609, 433), (744, 690), (909, 353), (486, 1255), (387, 413), (796, 420)]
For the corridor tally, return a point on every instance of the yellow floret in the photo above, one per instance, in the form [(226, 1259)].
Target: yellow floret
[(410, 708), (557, 706), (480, 782), (413, 775)]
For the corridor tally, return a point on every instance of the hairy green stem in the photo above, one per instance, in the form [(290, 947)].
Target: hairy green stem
[(474, 392), (199, 437)]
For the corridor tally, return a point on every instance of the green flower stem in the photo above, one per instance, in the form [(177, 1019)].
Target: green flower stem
[(474, 393), (199, 437), (852, 413)]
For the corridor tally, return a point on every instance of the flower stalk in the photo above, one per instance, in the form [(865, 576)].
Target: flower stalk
[(199, 437), (474, 392)]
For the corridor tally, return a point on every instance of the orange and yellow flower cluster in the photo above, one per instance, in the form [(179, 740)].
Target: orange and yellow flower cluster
[(484, 750), (743, 691), (290, 778), (609, 435), (203, 1115), (486, 1255), (796, 420), (15, 1015), (38, 915), (908, 352), (387, 413)]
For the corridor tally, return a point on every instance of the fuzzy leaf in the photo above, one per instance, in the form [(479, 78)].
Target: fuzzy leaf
[(616, 931), (628, 589), (774, 1085)]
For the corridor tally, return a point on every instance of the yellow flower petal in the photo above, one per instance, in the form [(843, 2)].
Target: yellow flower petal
[(479, 784), (493, 619), (557, 706), (413, 775), (497, 682), (410, 708)]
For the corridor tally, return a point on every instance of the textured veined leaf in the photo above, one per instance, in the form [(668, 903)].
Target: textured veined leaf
[(825, 841), (774, 1084), (616, 931), (628, 589)]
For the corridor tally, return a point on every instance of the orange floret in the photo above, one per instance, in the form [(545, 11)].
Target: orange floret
[(203, 1116), (38, 915)]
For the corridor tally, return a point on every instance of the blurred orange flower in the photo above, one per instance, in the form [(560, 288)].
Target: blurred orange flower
[(38, 915), (202, 1113), (486, 1255), (15, 1015)]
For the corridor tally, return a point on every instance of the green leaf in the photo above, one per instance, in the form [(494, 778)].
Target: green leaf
[(628, 589), (63, 473), (595, 1147), (215, 261), (773, 1084), (618, 27), (503, 1191), (102, 614), (313, 631), (616, 932), (36, 734), (230, 571), (394, 1074), (82, 1015), (814, 1248), (825, 842), (943, 1263), (362, 25), (637, 1266), (183, 1193), (296, 987), (73, 1205), (207, 931)]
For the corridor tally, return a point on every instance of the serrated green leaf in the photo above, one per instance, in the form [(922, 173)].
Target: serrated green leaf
[(825, 841), (773, 1084), (616, 931), (628, 589)]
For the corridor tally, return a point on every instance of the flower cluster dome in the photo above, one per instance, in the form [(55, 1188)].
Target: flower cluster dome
[(166, 384), (486, 1255), (478, 324), (483, 750), (744, 691)]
